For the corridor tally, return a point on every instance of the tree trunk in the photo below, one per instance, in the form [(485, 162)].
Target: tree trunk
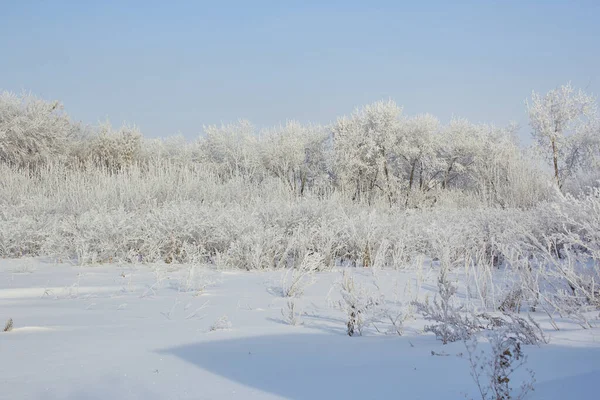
[(302, 183), (410, 182), (421, 181), (412, 175), (555, 160), (448, 171), (387, 182)]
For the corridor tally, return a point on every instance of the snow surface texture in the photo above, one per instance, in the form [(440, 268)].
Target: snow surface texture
[(177, 332)]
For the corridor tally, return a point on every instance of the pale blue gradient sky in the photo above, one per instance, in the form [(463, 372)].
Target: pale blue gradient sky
[(171, 67)]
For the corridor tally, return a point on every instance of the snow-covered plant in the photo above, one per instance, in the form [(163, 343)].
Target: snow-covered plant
[(450, 325), (175, 150), (9, 325), (160, 276), (168, 314), (109, 148), (360, 305), (194, 280), (222, 323), (396, 320), (525, 331), (580, 238), (493, 373), (232, 150), (291, 314), (295, 280), (513, 300), (479, 274), (566, 267), (573, 290)]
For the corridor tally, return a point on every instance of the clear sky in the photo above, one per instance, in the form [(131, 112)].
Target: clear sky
[(173, 66)]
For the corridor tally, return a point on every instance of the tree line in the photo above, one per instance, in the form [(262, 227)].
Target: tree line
[(374, 154)]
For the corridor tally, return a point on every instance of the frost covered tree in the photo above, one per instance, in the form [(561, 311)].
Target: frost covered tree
[(362, 145), (416, 147), (175, 149), (459, 145), (232, 150), (33, 131), (414, 156), (294, 153), (504, 175), (588, 173), (558, 120)]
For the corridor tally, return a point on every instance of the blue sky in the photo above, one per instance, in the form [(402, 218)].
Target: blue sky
[(171, 67)]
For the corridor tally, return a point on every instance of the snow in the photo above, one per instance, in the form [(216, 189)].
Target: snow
[(144, 332)]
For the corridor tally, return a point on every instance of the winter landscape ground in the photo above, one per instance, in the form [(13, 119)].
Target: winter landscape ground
[(159, 332)]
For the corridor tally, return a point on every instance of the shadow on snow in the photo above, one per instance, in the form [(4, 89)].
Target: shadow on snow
[(305, 366)]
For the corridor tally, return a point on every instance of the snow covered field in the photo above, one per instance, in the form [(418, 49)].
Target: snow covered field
[(176, 332), (336, 244)]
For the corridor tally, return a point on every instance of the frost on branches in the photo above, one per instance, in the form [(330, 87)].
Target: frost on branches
[(561, 122), (33, 131), (494, 373)]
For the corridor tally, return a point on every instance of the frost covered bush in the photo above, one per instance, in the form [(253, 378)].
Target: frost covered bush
[(360, 305), (525, 331), (111, 149), (559, 264), (222, 323), (513, 301), (155, 212), (33, 131), (450, 322), (493, 373), (170, 150), (291, 314), (295, 280), (232, 150)]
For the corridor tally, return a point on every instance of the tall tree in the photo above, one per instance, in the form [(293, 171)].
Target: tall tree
[(557, 120), (362, 145)]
